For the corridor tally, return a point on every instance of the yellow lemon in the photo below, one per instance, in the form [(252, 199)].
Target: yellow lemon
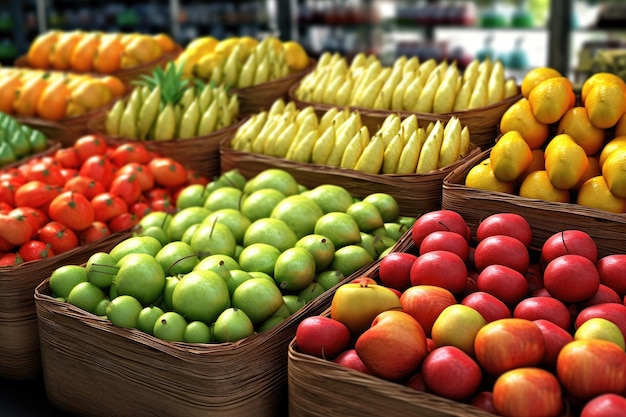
[(537, 186), (617, 143), (551, 98), (592, 171), (605, 104), (481, 176), (575, 122), (600, 77), (595, 193), (566, 163), (519, 117), (620, 127), (510, 156), (537, 164), (614, 172), (535, 76), (297, 58)]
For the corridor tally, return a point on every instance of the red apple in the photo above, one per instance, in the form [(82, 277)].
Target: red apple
[(605, 405), (605, 294), (610, 311), (451, 373), (540, 292), (569, 242), (394, 346), (534, 277), (445, 240), (457, 326), (395, 270), (489, 306), (484, 401), (502, 250), (322, 336), (555, 337), (591, 367), (364, 280), (527, 392), (437, 220), (509, 224), (416, 382), (470, 285), (504, 283), (441, 268), (611, 269), (425, 302), (506, 344), (350, 359), (549, 308), (571, 278)]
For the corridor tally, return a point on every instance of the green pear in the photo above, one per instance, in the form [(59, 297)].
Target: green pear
[(329, 278), (147, 318), (184, 219), (235, 278), (123, 311), (234, 219), (232, 178), (168, 290), (156, 232), (368, 242), (339, 227), (321, 247), (299, 212), (294, 269), (258, 298), (330, 197), (135, 244), (350, 259), (224, 197), (170, 326), (277, 179), (387, 205), (270, 323), (260, 203), (366, 216), (311, 292), (193, 195), (177, 258), (197, 332), (293, 302), (161, 219), (232, 324), (214, 238), (141, 276), (66, 277), (201, 295), (272, 231), (219, 263), (259, 257)]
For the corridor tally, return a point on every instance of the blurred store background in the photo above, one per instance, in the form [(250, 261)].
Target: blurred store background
[(577, 36)]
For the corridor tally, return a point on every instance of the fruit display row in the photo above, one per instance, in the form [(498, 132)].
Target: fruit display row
[(479, 319), (19, 141)]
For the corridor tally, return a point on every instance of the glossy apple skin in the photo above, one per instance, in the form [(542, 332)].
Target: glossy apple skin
[(441, 268), (395, 270), (504, 283), (350, 359), (568, 242), (527, 392), (416, 382), (590, 367), (446, 240), (451, 373), (555, 337), (605, 294), (510, 343), (605, 405), (484, 401), (394, 347), (611, 269), (610, 311), (489, 306), (457, 326), (549, 308), (571, 278), (322, 336), (502, 250), (509, 224), (425, 302), (431, 221)]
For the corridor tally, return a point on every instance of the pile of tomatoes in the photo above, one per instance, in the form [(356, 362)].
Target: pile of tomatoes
[(81, 194)]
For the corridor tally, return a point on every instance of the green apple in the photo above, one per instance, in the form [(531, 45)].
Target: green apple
[(197, 332), (260, 274), (293, 302), (350, 259), (387, 205), (87, 296), (321, 247), (211, 239), (274, 232), (600, 328), (339, 227), (311, 292), (283, 311), (395, 230), (101, 307), (331, 197), (148, 317), (235, 278), (270, 323), (156, 232), (141, 276), (329, 278), (177, 258), (192, 195), (170, 283), (299, 212), (123, 311), (218, 263), (366, 215), (183, 219), (232, 178), (134, 245), (232, 325), (259, 204), (294, 269), (188, 234), (170, 326), (368, 242), (234, 219), (457, 325), (201, 295), (66, 277), (224, 197), (160, 219), (277, 179), (258, 298), (259, 257)]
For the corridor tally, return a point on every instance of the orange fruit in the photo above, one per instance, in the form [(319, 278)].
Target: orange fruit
[(614, 172), (537, 186), (551, 98), (90, 93), (535, 76), (592, 171), (481, 177), (519, 117), (108, 57), (28, 95), (63, 49), (595, 193), (620, 127), (618, 142), (537, 164), (510, 156), (566, 162), (143, 48), (114, 84), (9, 86), (575, 122), (600, 77), (39, 51), (605, 104), (165, 41), (84, 52), (52, 104)]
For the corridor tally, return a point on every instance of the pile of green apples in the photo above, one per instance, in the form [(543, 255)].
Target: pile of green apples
[(237, 257)]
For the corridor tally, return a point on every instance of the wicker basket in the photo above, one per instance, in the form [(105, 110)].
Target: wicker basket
[(415, 193), (260, 97), (200, 154), (53, 146), (20, 357), (93, 368), (545, 218), (483, 123)]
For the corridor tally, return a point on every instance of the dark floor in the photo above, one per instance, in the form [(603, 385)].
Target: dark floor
[(25, 399)]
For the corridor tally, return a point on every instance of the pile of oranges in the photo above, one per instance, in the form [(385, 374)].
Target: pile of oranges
[(560, 146)]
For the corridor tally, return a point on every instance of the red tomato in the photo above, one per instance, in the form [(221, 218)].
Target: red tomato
[(5, 246), (162, 205), (5, 207), (35, 194), (11, 173), (68, 173), (130, 152), (84, 185), (99, 168), (36, 217), (168, 172), (7, 192), (140, 209), (34, 250), (60, 237), (194, 178), (72, 209), (11, 259), (46, 173), (89, 145), (158, 194), (108, 205), (143, 173), (126, 186), (123, 222), (67, 158), (96, 231), (15, 229)]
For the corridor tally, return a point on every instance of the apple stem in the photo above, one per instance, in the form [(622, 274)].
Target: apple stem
[(177, 261), (213, 226)]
